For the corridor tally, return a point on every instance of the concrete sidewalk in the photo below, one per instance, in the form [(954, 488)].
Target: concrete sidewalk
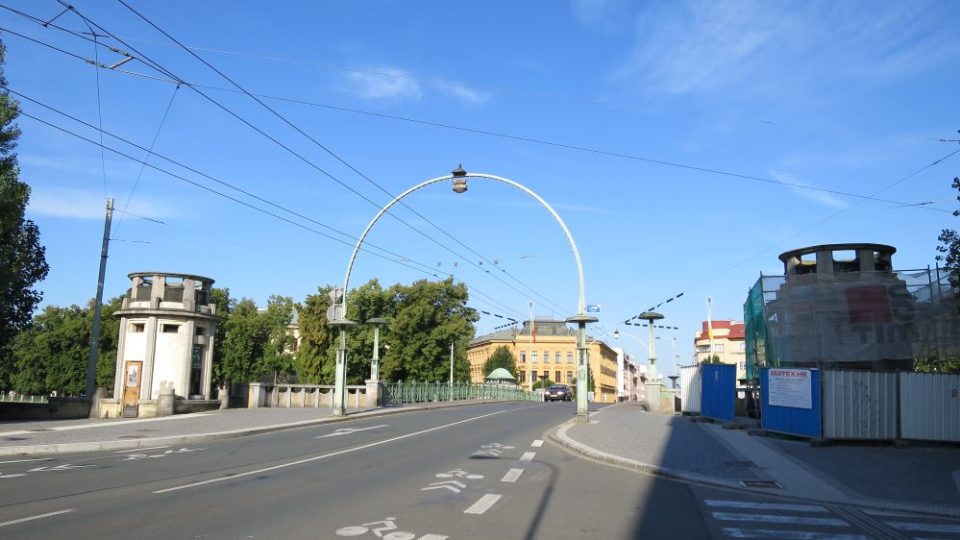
[(921, 478), (90, 435)]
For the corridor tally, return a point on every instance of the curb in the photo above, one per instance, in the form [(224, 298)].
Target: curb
[(99, 446), (559, 436)]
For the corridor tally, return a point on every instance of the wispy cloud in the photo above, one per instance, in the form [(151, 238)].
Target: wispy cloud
[(799, 187), (595, 12), (385, 83), (462, 92), (701, 46), (64, 202)]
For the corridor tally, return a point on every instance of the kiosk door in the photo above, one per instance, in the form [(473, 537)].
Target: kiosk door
[(131, 388)]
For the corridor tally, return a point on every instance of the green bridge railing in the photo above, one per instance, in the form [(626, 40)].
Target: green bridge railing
[(419, 392)]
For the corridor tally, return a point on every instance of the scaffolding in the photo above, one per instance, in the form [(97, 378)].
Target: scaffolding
[(852, 319)]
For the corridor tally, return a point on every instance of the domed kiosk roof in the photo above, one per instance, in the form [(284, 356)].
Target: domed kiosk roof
[(500, 374)]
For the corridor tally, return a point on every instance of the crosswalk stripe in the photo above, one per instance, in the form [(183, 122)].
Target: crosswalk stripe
[(924, 527), (767, 518), (789, 535), (765, 506)]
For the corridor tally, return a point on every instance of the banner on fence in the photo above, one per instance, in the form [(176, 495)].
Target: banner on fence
[(790, 388)]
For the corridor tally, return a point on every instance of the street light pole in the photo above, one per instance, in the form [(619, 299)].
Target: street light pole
[(451, 370)]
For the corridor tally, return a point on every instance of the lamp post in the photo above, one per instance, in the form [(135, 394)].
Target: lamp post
[(376, 322), (459, 183), (340, 375), (650, 317)]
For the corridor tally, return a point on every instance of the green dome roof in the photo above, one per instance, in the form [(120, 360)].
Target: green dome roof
[(500, 374)]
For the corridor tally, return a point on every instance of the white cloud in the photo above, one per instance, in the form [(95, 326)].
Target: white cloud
[(701, 46), (64, 202), (385, 83), (801, 188), (462, 92)]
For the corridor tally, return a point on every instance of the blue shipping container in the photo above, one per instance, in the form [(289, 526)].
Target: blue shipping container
[(801, 421), (718, 385)]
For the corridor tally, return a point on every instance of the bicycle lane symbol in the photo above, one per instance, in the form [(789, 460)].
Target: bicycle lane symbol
[(378, 528)]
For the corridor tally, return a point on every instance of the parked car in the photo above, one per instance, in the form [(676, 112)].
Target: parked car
[(558, 392)]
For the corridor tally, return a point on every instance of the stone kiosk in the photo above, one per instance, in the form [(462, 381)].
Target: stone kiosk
[(165, 351)]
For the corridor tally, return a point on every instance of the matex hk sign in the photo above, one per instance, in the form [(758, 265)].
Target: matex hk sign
[(790, 388)]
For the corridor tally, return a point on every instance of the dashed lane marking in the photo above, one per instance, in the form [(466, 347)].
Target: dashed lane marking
[(32, 518), (527, 456), (483, 504), (537, 443), (141, 449), (512, 475), (25, 460)]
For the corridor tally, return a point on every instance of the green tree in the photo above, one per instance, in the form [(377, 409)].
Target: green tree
[(501, 358), (428, 317), (949, 254), (220, 297), (22, 260), (278, 350), (314, 358), (247, 333), (543, 383)]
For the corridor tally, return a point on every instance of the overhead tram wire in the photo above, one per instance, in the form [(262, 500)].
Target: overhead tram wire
[(96, 59), (420, 267), (174, 80), (153, 64), (895, 183), (153, 143), (330, 152)]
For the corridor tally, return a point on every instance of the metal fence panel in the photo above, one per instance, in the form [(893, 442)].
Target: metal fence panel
[(860, 405), (792, 420), (930, 406), (690, 389), (718, 383)]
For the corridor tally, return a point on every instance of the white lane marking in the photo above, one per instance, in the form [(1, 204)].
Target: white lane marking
[(924, 527), (64, 467), (31, 518), (16, 475), (431, 536), (483, 504), (348, 431), (25, 460), (512, 475), (452, 485), (733, 532), (537, 443), (328, 455), (765, 518), (527, 456), (459, 473), (765, 506), (142, 449)]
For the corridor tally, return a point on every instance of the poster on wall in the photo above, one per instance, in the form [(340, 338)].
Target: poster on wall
[(790, 388)]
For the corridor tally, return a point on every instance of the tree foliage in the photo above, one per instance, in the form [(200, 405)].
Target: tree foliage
[(949, 254), (501, 358), (543, 383), (22, 260)]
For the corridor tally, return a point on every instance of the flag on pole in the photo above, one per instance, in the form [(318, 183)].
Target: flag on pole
[(533, 325)]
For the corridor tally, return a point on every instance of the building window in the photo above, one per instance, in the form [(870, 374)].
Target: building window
[(569, 357), (557, 376), (137, 327), (523, 357), (557, 357), (523, 376), (170, 329), (200, 331), (533, 357), (742, 346), (546, 357), (718, 347), (569, 377), (546, 375)]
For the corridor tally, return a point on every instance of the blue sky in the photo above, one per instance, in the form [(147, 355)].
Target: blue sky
[(586, 102)]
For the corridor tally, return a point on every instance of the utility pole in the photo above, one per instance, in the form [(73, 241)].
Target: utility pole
[(97, 307), (451, 370)]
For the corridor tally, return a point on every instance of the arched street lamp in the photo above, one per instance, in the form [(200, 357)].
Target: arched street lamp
[(459, 184)]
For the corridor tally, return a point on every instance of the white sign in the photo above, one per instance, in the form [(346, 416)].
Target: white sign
[(790, 388)]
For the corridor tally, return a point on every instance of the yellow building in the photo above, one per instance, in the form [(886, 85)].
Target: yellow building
[(729, 344), (550, 353)]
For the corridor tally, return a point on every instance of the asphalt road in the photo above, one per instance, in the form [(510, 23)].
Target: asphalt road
[(479, 472)]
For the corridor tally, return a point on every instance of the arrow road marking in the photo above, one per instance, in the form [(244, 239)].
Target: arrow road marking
[(494, 453), (459, 473), (64, 467), (449, 484), (483, 504), (348, 431)]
